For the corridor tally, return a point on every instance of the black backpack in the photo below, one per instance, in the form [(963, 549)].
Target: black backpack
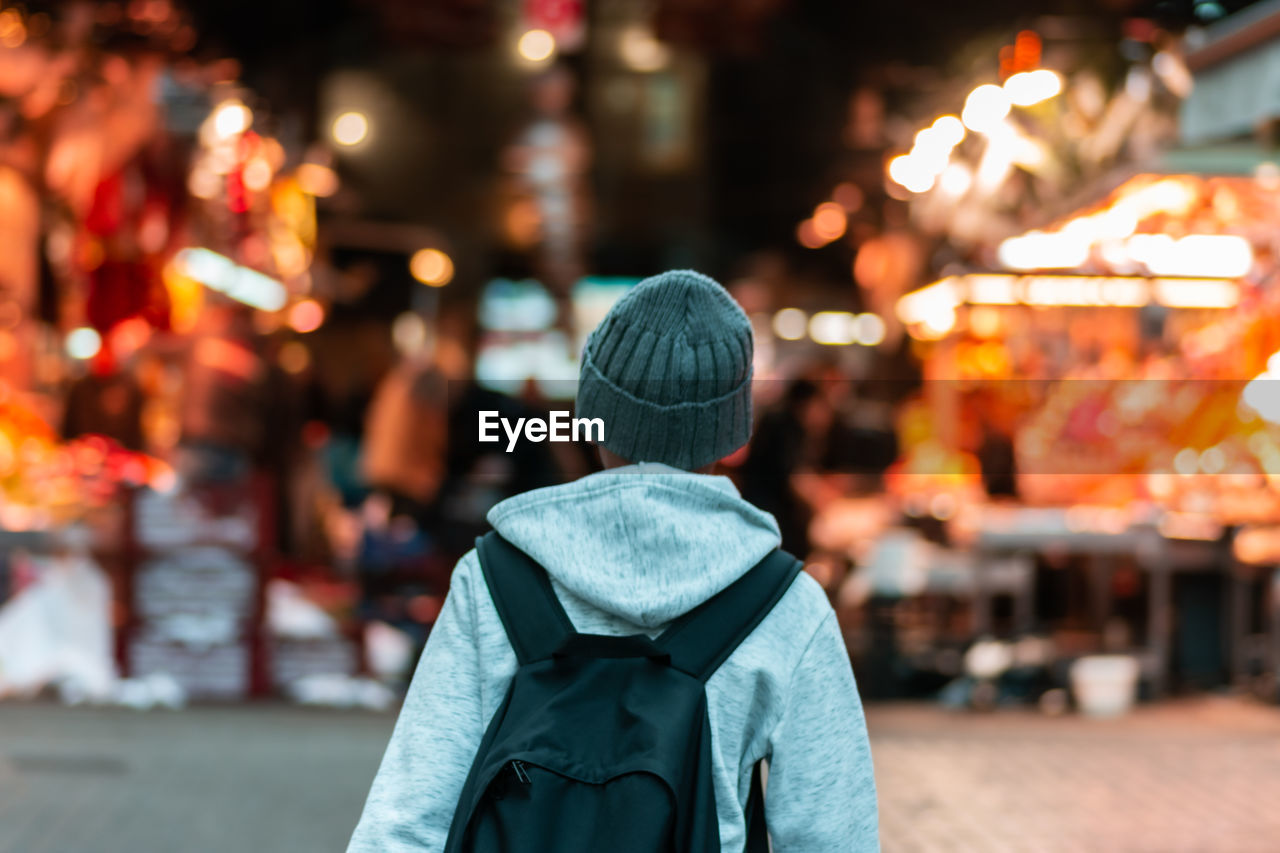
[(603, 744)]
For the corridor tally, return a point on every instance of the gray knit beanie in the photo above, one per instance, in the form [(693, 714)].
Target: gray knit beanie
[(668, 370)]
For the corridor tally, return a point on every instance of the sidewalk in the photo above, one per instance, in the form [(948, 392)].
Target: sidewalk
[(256, 779), (1191, 776), (1200, 775)]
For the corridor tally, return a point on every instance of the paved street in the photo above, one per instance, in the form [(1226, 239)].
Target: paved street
[(1201, 777), (1198, 776), (249, 780)]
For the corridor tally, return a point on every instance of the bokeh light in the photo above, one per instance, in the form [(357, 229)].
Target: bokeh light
[(1031, 87), (257, 174), (641, 51), (431, 267), (868, 329), (829, 221), (317, 180), (807, 235), (832, 328), (350, 128), (306, 316), (949, 130), (294, 357), (790, 324), (985, 108), (83, 343), (231, 118), (409, 333), (536, 46)]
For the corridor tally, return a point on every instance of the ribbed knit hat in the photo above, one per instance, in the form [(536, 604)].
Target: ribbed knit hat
[(668, 370)]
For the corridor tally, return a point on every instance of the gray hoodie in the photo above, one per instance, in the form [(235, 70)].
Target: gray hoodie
[(628, 550)]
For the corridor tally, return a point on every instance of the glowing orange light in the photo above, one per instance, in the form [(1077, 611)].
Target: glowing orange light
[(130, 336), (523, 223), (1026, 50), (163, 478), (294, 357), (317, 180), (257, 174), (829, 221), (186, 299), (432, 267), (807, 234), (306, 316), (228, 357), (12, 31), (133, 471), (848, 196)]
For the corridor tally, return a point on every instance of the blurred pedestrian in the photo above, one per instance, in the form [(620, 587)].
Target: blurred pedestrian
[(791, 436)]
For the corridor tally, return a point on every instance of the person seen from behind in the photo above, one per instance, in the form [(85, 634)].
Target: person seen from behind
[(624, 661)]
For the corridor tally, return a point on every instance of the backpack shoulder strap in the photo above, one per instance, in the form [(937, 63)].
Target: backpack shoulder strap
[(703, 638), (536, 623)]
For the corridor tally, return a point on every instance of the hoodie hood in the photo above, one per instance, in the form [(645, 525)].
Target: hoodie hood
[(643, 542)]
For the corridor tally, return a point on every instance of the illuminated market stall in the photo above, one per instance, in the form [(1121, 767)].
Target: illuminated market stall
[(159, 241), (1131, 328), (1090, 458)]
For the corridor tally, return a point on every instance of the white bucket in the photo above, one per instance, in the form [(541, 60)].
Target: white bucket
[(1105, 685)]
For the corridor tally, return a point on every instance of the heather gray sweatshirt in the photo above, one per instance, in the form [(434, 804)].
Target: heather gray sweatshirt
[(628, 550)]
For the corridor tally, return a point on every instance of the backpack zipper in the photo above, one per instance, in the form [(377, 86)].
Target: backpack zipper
[(518, 767)]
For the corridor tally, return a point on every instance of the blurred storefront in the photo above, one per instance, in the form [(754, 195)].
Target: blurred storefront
[(1088, 467), (160, 238), (1014, 355)]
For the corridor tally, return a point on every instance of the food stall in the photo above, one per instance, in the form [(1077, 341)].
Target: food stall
[(163, 239), (1121, 354)]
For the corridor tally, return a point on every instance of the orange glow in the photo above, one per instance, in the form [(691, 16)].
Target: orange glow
[(12, 31), (829, 221), (204, 182), (129, 337), (848, 196), (294, 357), (186, 299), (228, 357), (317, 180), (432, 267), (162, 477), (807, 234), (984, 322), (257, 174), (1026, 50), (933, 305), (523, 223), (88, 455), (91, 254), (267, 322), (306, 316)]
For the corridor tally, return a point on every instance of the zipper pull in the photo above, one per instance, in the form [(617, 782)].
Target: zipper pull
[(518, 767)]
